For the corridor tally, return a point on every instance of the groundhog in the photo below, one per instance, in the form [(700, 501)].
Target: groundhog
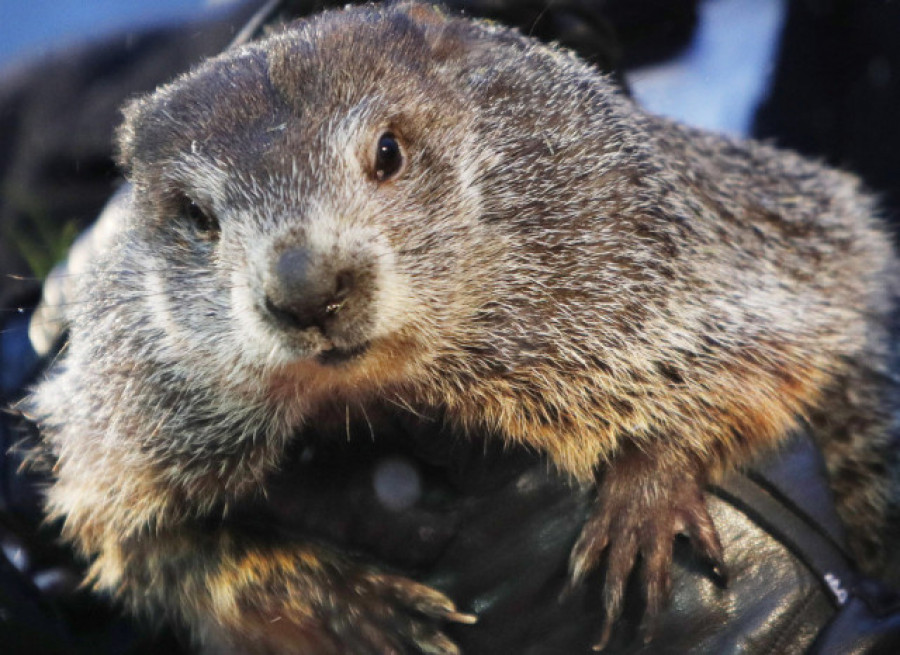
[(391, 205)]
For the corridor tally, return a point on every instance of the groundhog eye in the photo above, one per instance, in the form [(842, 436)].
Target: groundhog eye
[(389, 158), (204, 223)]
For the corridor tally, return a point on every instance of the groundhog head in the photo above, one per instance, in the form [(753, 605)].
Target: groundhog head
[(366, 192)]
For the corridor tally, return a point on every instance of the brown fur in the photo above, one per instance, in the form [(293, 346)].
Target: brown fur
[(552, 265)]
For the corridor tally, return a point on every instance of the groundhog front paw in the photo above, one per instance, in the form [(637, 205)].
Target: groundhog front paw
[(300, 599), (642, 505)]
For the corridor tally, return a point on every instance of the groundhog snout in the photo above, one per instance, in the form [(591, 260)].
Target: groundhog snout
[(304, 293)]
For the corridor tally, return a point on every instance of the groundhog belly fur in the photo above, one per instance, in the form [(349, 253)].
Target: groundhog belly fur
[(395, 205)]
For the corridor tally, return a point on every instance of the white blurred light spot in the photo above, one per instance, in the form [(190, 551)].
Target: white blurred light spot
[(397, 483)]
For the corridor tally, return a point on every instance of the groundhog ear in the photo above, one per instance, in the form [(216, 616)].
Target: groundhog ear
[(423, 14), (451, 37)]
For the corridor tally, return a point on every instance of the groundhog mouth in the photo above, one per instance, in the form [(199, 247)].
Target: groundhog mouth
[(336, 356)]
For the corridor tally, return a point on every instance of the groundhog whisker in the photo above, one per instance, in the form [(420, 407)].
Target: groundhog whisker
[(362, 408), (347, 421), (401, 403)]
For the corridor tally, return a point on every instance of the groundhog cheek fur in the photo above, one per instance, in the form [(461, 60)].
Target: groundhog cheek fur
[(550, 264)]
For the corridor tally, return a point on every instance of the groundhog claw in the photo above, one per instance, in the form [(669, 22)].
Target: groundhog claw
[(642, 505), (391, 613), (424, 599)]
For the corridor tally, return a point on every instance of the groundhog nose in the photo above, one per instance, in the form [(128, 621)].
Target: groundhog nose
[(292, 272), (303, 295)]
